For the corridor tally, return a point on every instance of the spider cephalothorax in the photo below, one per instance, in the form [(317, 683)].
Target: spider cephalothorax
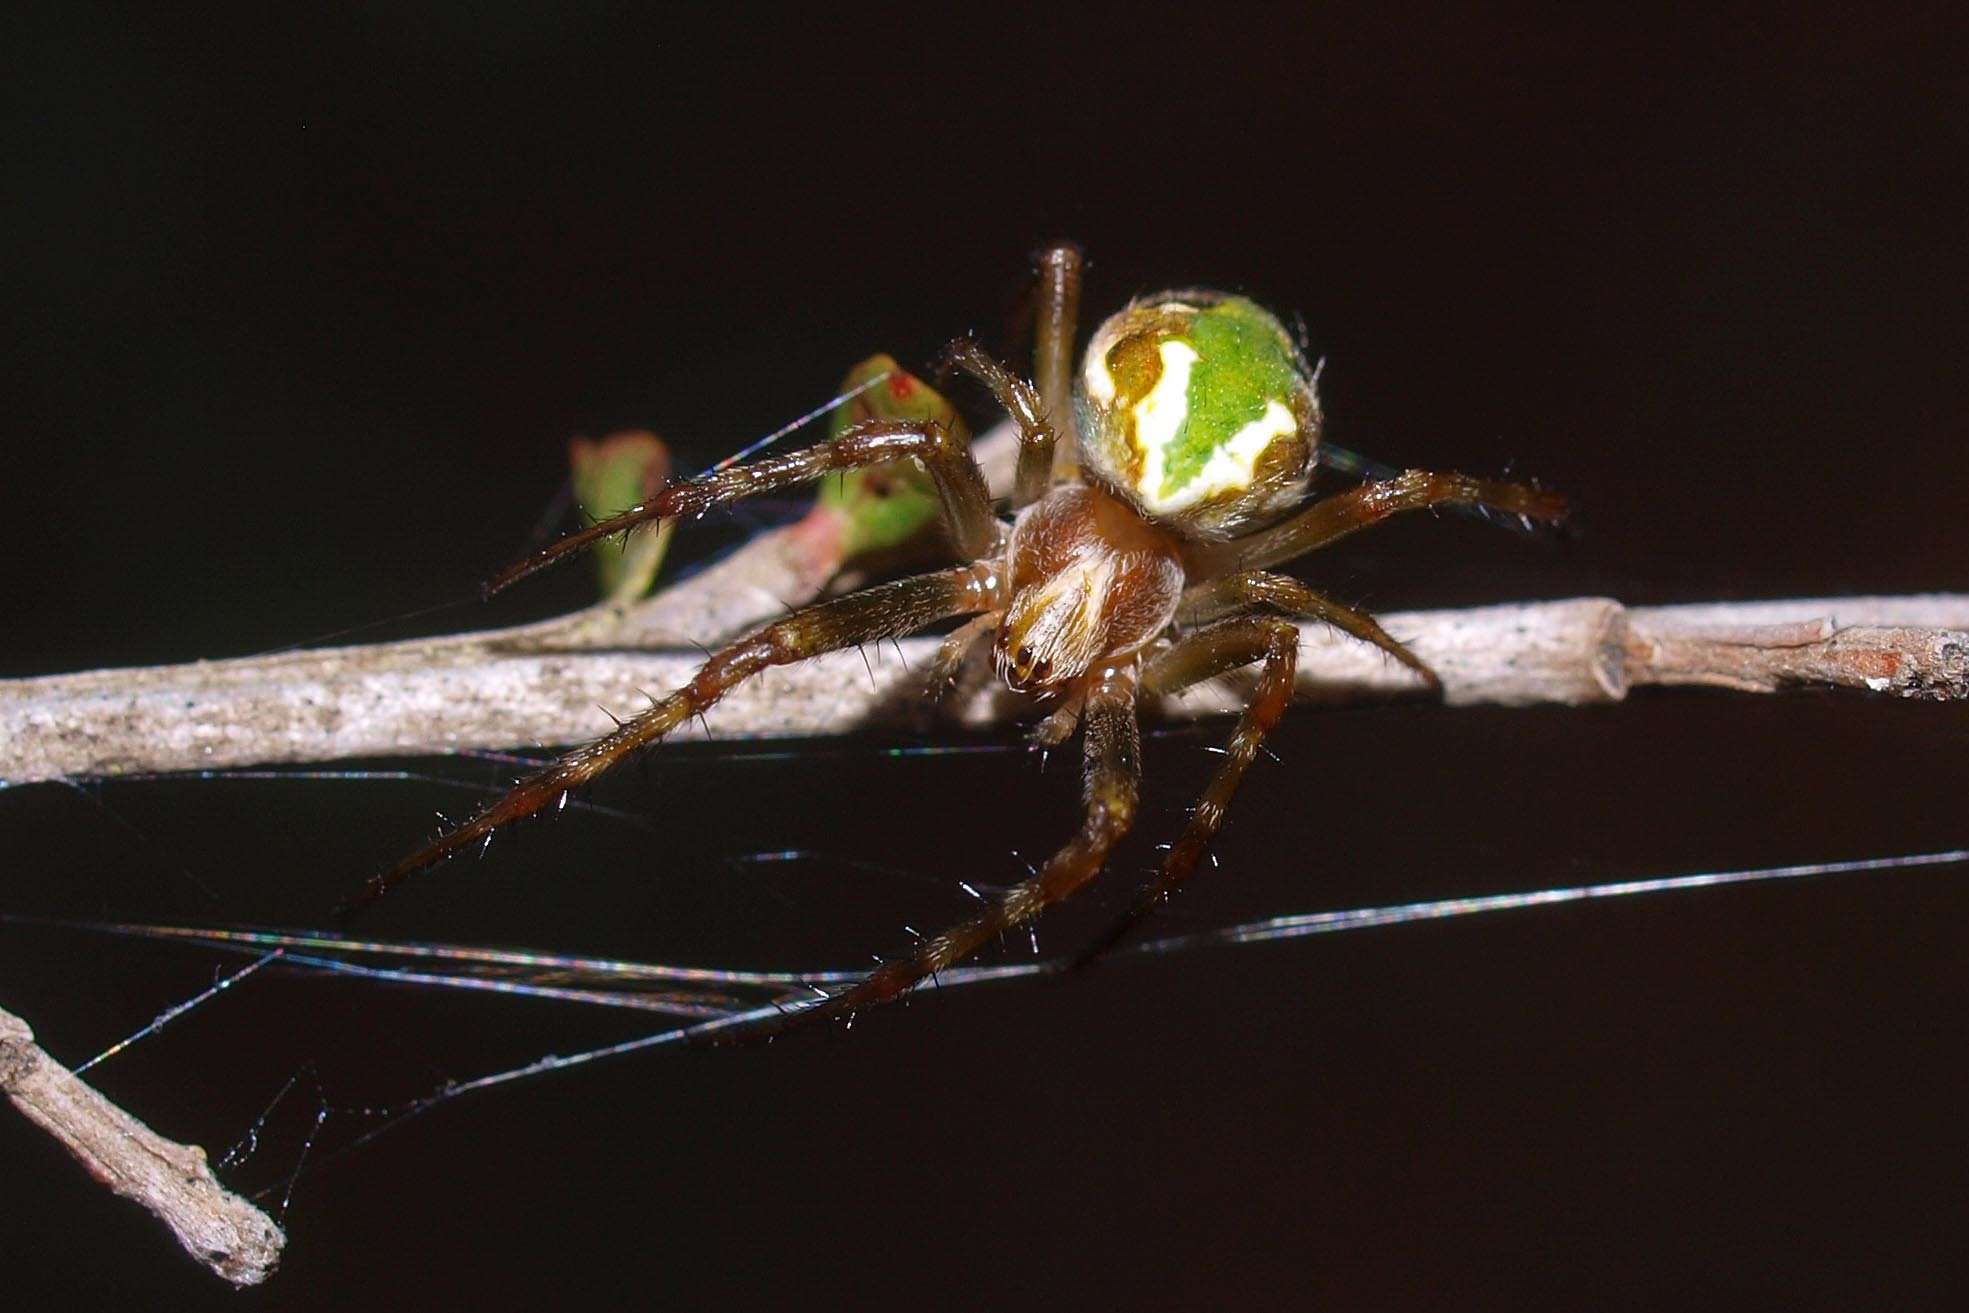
[(1138, 566), (1089, 580)]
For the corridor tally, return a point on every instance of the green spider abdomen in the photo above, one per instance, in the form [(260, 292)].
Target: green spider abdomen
[(1200, 410)]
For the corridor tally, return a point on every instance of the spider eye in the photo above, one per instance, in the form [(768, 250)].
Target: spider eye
[(1200, 409), (1027, 668)]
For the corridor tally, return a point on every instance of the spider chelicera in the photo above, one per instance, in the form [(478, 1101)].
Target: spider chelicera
[(1136, 560)]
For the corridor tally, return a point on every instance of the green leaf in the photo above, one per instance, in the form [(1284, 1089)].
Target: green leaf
[(610, 476), (884, 506)]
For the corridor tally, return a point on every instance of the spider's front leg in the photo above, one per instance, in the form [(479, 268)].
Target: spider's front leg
[(1111, 782), (974, 531), (1204, 655), (886, 611), (1043, 409), (1039, 433)]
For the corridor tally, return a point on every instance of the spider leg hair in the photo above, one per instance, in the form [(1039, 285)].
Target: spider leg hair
[(1111, 782), (1286, 595), (1337, 516), (1203, 655), (974, 530), (884, 611)]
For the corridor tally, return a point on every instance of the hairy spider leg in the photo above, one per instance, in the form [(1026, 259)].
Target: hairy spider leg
[(1038, 437), (1111, 782), (974, 531), (885, 611), (1284, 594), (1203, 655), (1337, 516)]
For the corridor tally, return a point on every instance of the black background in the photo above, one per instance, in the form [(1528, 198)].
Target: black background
[(301, 312)]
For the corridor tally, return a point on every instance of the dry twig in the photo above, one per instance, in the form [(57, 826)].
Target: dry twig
[(218, 1228), (543, 684)]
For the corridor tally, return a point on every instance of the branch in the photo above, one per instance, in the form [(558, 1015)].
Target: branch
[(542, 684), (216, 1227)]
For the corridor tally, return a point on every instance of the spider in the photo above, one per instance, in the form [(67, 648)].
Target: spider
[(1153, 492)]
